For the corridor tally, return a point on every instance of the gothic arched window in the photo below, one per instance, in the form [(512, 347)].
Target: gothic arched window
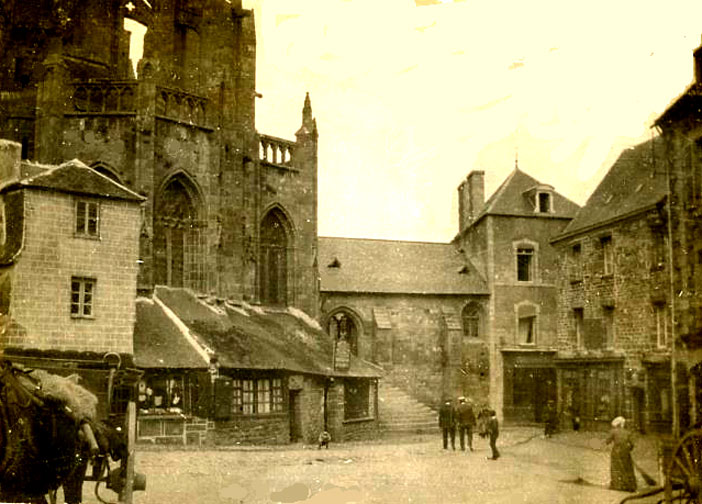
[(471, 320), (274, 259), (342, 327), (177, 248)]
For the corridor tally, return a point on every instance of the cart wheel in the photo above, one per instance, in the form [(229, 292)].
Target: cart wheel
[(685, 470)]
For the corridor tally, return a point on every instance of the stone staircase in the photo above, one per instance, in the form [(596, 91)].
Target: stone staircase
[(400, 414)]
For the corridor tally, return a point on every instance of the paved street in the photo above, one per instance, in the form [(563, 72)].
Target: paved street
[(569, 468)]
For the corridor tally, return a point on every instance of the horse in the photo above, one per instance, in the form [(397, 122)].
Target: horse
[(40, 438)]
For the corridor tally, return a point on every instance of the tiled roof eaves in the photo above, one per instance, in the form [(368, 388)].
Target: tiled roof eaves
[(604, 223), (39, 187), (475, 292)]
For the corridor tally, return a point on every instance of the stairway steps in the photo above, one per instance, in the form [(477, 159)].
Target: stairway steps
[(400, 414)]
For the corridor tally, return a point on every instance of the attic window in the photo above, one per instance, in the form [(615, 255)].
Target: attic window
[(543, 202), (463, 270), (334, 264)]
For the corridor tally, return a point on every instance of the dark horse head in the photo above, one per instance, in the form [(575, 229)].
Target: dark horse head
[(39, 442)]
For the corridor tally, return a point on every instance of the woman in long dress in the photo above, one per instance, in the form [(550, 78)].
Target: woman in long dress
[(622, 466)]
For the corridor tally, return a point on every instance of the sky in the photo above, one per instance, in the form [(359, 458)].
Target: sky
[(411, 95)]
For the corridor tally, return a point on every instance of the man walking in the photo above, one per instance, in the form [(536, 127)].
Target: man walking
[(493, 431), (447, 422), (466, 422)]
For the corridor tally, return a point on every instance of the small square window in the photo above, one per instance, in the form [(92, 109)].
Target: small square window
[(82, 293), (87, 218)]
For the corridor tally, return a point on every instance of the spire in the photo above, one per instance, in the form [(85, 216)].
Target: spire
[(307, 111), (516, 158), (309, 124)]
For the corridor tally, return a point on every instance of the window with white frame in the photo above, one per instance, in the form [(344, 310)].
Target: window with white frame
[(660, 312), (87, 218), (82, 294), (259, 396)]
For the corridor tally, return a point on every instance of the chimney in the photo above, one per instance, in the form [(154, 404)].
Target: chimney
[(10, 157), (471, 198), (697, 55)]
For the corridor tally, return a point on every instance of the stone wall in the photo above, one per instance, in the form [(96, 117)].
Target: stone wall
[(52, 255)]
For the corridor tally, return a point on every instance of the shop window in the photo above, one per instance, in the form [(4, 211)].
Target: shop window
[(82, 292), (161, 393), (356, 398), (261, 396), (87, 218)]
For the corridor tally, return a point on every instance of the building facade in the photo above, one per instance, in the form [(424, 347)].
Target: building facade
[(682, 150), (614, 303), (69, 268), (508, 237), (228, 211), (417, 309), (229, 217)]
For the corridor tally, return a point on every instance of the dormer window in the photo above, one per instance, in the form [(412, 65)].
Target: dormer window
[(543, 202)]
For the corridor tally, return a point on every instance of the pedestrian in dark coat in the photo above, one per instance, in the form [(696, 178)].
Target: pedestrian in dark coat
[(465, 419), (493, 431), (447, 422), (622, 475)]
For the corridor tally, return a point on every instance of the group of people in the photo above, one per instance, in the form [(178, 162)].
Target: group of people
[(461, 417)]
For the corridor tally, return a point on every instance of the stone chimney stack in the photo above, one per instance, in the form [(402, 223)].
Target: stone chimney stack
[(471, 198), (10, 157)]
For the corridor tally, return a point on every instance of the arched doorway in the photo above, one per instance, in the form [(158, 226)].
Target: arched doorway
[(342, 327), (178, 260), (274, 258)]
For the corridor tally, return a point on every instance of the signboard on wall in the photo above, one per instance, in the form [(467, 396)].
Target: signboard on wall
[(295, 382), (342, 355)]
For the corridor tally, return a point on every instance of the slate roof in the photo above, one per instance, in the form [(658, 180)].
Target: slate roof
[(158, 342), (511, 199), (388, 266), (689, 102), (242, 337), (72, 177), (634, 183)]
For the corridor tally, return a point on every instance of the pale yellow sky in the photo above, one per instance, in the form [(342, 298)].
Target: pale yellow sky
[(409, 99)]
